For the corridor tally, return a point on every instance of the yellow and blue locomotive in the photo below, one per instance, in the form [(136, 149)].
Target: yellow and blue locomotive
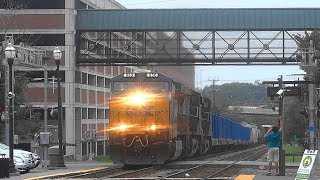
[(154, 119)]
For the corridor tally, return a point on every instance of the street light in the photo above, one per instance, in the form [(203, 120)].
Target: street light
[(10, 54), (57, 56)]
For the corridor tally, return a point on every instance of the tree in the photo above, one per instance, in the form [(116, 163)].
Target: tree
[(236, 94), (222, 100), (26, 122), (303, 43), (295, 123), (7, 19)]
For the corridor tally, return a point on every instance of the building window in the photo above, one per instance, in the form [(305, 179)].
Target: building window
[(78, 77), (84, 78), (100, 114), (107, 83), (91, 113), (107, 113), (84, 113), (92, 80), (100, 82)]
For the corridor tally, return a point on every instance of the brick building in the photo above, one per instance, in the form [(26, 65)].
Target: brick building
[(85, 90)]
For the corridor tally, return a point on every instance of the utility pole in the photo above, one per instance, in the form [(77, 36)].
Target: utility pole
[(282, 165), (312, 99), (45, 150), (213, 89)]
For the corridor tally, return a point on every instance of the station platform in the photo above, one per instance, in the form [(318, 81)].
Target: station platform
[(89, 166), (71, 167), (260, 177)]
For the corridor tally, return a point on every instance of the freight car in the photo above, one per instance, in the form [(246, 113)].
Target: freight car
[(154, 119), (228, 134)]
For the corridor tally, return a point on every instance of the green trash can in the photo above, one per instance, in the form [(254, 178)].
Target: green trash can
[(4, 167)]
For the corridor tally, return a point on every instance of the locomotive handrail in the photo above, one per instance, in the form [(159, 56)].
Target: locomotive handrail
[(139, 139)]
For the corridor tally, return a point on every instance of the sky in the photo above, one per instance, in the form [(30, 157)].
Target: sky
[(228, 74)]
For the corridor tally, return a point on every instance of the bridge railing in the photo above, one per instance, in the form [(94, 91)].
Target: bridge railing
[(26, 56), (29, 56)]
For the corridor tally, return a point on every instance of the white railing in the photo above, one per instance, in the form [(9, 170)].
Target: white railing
[(29, 56)]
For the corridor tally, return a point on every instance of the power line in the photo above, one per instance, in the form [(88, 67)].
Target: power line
[(150, 2)]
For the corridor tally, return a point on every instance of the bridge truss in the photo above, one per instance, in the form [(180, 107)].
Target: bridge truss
[(143, 48)]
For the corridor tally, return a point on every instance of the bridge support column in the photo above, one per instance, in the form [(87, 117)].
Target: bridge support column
[(69, 84)]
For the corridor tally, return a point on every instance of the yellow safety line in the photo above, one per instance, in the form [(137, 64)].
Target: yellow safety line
[(64, 174), (245, 177)]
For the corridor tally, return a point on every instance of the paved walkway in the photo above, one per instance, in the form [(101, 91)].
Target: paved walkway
[(70, 167), (258, 177)]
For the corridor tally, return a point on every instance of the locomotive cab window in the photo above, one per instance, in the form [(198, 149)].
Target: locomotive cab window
[(123, 86), (156, 86)]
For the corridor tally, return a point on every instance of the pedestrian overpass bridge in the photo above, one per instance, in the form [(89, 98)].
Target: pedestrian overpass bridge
[(192, 36)]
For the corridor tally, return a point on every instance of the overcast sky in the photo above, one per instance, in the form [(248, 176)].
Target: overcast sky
[(227, 74)]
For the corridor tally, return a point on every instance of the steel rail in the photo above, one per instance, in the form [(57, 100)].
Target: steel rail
[(234, 163), (132, 173), (219, 159), (92, 174)]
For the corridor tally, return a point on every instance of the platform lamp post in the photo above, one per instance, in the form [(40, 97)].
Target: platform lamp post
[(57, 54), (10, 54)]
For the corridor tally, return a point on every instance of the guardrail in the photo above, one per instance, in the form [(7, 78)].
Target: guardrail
[(294, 155)]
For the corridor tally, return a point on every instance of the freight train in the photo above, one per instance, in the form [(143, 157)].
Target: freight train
[(155, 119)]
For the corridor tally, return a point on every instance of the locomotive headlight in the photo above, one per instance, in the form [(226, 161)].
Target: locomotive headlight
[(153, 127), (137, 99), (122, 127)]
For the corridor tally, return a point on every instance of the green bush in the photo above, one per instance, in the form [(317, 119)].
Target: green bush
[(104, 159)]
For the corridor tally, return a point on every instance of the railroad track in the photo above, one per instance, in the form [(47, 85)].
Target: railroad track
[(150, 170), (200, 170), (228, 170), (196, 171), (216, 154), (136, 173), (96, 174)]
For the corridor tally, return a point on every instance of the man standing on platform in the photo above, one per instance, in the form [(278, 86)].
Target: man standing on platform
[(273, 136)]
